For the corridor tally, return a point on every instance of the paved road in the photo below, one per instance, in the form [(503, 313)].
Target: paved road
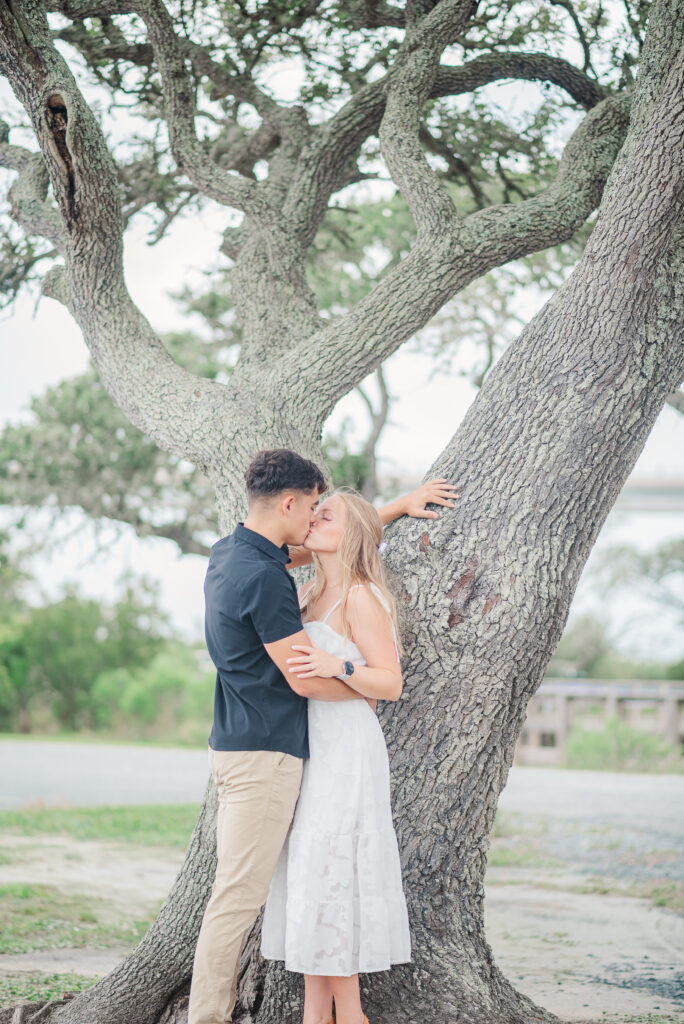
[(84, 774), (600, 799)]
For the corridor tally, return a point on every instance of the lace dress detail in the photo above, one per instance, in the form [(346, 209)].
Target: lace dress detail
[(336, 905)]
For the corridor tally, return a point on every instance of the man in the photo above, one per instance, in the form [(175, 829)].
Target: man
[(259, 737)]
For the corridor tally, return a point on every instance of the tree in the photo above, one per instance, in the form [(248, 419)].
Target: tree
[(541, 454), (657, 573), (51, 656), (79, 450)]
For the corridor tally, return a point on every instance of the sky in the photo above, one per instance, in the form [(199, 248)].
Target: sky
[(40, 345)]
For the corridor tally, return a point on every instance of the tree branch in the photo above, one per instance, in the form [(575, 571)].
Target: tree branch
[(531, 67), (209, 178), (569, 7), (378, 417), (333, 143), (279, 122), (133, 364), (440, 265), (375, 14), (338, 140), (88, 8), (408, 87), (458, 168), (28, 194)]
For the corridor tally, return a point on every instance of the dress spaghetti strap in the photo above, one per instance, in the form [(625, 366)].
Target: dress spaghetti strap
[(337, 603), (331, 610)]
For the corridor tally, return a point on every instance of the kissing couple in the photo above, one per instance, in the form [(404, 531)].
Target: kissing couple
[(296, 750)]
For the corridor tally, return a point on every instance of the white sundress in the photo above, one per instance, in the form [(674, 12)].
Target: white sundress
[(336, 905)]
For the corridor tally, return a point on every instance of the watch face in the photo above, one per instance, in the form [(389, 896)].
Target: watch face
[(348, 668)]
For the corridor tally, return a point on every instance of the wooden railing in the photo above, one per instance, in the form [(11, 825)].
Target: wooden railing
[(655, 707)]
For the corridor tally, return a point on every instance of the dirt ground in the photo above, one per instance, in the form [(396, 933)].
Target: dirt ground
[(587, 956), (584, 905)]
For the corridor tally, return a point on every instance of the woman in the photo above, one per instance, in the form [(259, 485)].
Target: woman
[(336, 904)]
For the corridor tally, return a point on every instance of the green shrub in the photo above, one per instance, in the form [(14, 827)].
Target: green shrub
[(50, 656), (675, 671), (620, 747), (170, 696)]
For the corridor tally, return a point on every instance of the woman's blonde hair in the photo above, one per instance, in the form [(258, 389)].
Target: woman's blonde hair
[(358, 556)]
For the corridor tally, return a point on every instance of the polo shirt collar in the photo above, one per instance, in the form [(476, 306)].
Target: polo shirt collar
[(281, 554)]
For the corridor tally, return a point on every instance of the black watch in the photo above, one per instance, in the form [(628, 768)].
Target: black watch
[(348, 667)]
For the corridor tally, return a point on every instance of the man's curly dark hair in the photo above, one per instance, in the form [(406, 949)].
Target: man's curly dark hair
[(278, 469)]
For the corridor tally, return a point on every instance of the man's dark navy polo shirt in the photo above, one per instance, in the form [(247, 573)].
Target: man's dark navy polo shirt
[(251, 600)]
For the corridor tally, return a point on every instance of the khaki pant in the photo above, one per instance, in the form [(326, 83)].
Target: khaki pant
[(257, 793)]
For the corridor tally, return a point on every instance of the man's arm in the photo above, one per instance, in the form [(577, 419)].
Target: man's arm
[(316, 686)]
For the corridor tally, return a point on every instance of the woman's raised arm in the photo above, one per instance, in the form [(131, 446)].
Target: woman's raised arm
[(298, 556), (434, 492)]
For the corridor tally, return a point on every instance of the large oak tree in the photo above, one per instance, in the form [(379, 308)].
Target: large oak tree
[(542, 452)]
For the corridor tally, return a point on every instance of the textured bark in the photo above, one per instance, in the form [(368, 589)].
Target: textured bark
[(539, 459)]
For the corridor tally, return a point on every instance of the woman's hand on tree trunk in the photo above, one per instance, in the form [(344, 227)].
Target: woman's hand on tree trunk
[(434, 492)]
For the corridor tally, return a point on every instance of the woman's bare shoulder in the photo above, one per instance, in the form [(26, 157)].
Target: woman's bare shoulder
[(363, 600)]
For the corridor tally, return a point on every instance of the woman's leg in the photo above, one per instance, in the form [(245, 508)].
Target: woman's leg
[(318, 999), (347, 998)]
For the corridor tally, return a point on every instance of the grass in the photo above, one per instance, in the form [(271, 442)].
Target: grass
[(148, 825), (39, 917), (33, 988), (660, 892), (512, 824), (99, 738), (504, 857), (515, 842)]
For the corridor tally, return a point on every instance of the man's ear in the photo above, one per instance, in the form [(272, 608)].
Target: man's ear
[(286, 503)]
